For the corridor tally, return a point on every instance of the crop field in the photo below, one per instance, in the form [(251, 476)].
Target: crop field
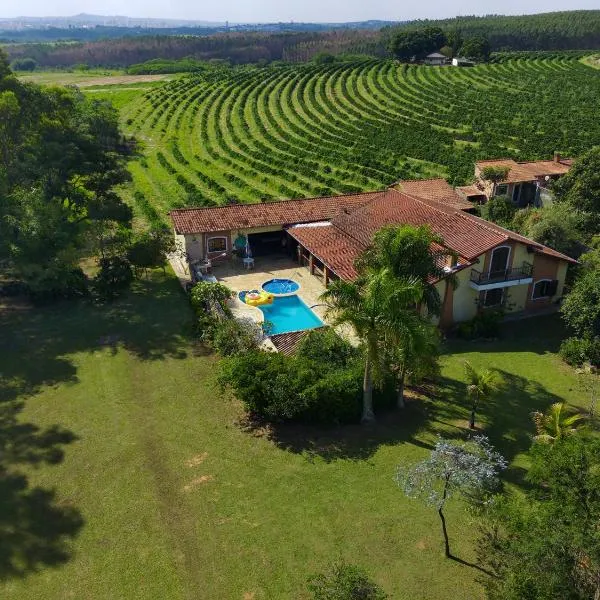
[(251, 134)]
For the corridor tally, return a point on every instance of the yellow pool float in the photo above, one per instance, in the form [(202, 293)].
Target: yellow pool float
[(258, 298)]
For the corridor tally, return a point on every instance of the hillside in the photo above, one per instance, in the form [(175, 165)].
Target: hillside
[(251, 134), (122, 47)]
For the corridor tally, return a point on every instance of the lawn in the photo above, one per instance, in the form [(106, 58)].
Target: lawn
[(180, 500)]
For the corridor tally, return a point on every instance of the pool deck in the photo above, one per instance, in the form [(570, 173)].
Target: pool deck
[(233, 274)]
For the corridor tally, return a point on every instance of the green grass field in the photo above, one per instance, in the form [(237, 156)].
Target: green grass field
[(180, 501), (307, 130)]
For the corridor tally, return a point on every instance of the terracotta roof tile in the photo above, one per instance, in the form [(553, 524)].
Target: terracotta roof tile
[(528, 171), (283, 212), (286, 343), (434, 189), (331, 246)]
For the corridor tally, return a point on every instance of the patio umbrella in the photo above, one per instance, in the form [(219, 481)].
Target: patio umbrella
[(248, 250)]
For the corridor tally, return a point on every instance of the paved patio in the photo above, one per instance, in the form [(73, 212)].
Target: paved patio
[(233, 274)]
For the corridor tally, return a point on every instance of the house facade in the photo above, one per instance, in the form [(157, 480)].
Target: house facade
[(435, 59), (494, 267), (526, 183)]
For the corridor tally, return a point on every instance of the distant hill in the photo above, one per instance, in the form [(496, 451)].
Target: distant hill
[(84, 27), (116, 46)]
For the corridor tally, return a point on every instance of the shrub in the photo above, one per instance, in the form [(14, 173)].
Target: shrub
[(325, 347), (266, 383), (499, 210), (336, 397), (342, 581), (115, 275), (577, 351), (206, 296), (485, 324), (232, 336), (56, 281)]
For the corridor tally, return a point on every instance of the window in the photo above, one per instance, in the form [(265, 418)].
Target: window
[(493, 297), (545, 288), (501, 189), (217, 244)]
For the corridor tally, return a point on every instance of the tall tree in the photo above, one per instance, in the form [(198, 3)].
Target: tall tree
[(409, 252), (481, 387), (468, 469), (412, 352), (60, 157), (377, 303), (546, 545), (580, 189), (476, 48)]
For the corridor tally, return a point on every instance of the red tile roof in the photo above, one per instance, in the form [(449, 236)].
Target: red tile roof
[(331, 246), (434, 189), (453, 225), (351, 221), (528, 171), (283, 212), (286, 343)]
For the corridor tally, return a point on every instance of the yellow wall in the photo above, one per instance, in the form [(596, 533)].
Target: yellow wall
[(563, 266), (464, 306)]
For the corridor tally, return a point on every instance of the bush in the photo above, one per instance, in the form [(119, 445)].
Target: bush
[(336, 397), (55, 282), (499, 210), (115, 276), (232, 336), (23, 64), (276, 387), (326, 347), (343, 581), (485, 324), (267, 384), (206, 296), (578, 351)]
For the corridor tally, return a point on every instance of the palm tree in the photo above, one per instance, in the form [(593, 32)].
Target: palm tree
[(413, 352), (481, 386), (409, 251), (556, 423), (373, 305)]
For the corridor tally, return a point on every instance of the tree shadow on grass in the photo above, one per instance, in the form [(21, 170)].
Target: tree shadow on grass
[(152, 322), (344, 442), (505, 420), (35, 530)]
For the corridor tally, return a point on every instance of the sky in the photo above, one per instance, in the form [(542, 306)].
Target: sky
[(285, 10)]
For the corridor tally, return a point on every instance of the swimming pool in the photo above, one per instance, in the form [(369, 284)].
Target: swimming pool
[(280, 286), (289, 313)]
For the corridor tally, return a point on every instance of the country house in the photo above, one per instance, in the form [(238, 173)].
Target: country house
[(526, 183), (493, 266)]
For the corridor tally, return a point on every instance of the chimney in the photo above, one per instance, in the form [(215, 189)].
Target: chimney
[(557, 157)]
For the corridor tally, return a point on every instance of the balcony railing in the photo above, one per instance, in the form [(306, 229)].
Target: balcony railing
[(523, 272)]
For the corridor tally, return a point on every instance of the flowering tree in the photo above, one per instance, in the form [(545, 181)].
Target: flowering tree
[(468, 469)]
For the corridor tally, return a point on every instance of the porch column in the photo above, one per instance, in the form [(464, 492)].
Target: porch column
[(299, 254), (325, 276), (311, 264)]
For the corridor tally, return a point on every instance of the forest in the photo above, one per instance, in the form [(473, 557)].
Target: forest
[(570, 30)]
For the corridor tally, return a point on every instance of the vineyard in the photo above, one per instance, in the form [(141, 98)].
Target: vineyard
[(248, 134)]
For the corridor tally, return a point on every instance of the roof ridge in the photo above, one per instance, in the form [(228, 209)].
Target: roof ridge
[(272, 202)]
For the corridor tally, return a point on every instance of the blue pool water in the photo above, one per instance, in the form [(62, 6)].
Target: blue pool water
[(280, 286), (289, 313)]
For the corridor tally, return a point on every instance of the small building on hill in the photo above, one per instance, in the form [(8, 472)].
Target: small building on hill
[(526, 183), (494, 267), (462, 62), (435, 59)]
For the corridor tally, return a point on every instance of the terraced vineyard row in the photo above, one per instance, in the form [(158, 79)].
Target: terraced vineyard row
[(262, 133)]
